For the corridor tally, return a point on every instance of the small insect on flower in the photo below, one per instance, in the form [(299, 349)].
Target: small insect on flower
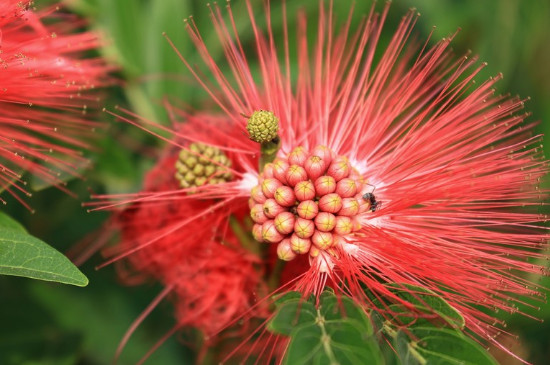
[(374, 204)]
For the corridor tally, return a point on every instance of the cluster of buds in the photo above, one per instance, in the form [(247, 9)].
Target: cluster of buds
[(202, 164), (307, 202)]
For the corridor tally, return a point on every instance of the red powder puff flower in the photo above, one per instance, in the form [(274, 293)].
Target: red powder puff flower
[(373, 170), (44, 86)]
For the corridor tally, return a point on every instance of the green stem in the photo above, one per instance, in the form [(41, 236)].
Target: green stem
[(269, 152), (325, 339)]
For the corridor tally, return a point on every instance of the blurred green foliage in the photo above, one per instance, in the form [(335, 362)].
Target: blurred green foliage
[(43, 323)]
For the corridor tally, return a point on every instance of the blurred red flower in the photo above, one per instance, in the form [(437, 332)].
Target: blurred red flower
[(45, 88)]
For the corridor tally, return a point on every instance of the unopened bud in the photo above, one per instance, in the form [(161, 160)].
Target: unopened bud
[(269, 186), (322, 240), (295, 174), (330, 203), (299, 245), (325, 221), (257, 214), (271, 208), (307, 209), (325, 185), (339, 168), (343, 225), (262, 126), (350, 207), (324, 152), (304, 228), (346, 187), (298, 156), (284, 195), (284, 250), (284, 222), (304, 190), (270, 233), (257, 232), (315, 167)]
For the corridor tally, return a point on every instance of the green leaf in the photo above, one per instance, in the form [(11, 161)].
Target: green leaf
[(336, 331), (431, 345), (7, 222), (24, 255), (426, 301)]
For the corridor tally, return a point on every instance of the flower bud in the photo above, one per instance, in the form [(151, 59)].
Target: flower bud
[(303, 228), (270, 233), (307, 209), (322, 240), (325, 185), (257, 214), (299, 245), (271, 208), (314, 251), (339, 168), (257, 194), (251, 203), (343, 225), (284, 250), (315, 167), (324, 152), (269, 186), (280, 168), (298, 156), (330, 203), (284, 222), (304, 190), (262, 126), (350, 207), (257, 232), (325, 222), (284, 195), (346, 187), (356, 224), (267, 173), (295, 174)]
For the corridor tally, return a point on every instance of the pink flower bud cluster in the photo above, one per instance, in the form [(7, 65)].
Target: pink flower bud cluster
[(306, 202)]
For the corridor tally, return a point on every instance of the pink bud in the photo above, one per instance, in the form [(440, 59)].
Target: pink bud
[(307, 209), (330, 203), (322, 240), (325, 185), (315, 167), (343, 225), (339, 168), (295, 174), (298, 156), (314, 251), (271, 208), (284, 222), (350, 207), (304, 190), (299, 245), (268, 171), (257, 194), (251, 203), (270, 233), (257, 232), (346, 187), (304, 228), (356, 224), (325, 221), (284, 195), (284, 250), (324, 152), (257, 214), (269, 186), (280, 168)]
